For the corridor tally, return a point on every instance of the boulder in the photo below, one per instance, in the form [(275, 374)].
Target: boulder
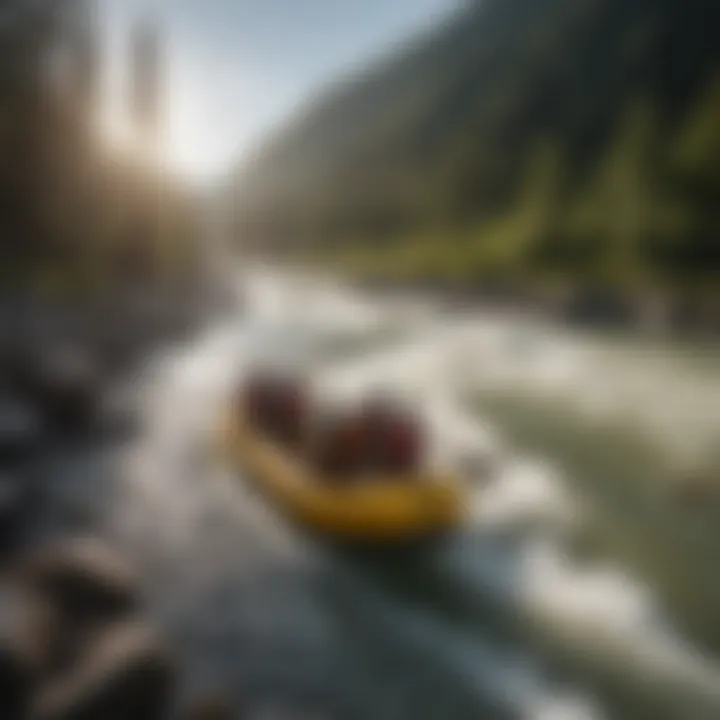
[(598, 307), (68, 389), (85, 579), (117, 345), (18, 363), (211, 706), (118, 414), (15, 663), (15, 685), (20, 430), (16, 504), (126, 673)]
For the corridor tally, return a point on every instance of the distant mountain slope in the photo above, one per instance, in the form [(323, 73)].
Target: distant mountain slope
[(476, 120)]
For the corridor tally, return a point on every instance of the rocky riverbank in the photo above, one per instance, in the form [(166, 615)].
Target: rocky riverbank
[(654, 314), (75, 640)]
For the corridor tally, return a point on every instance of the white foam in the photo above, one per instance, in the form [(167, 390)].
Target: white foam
[(528, 494), (593, 609)]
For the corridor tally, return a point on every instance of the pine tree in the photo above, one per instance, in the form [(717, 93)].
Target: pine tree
[(616, 209), (697, 152), (696, 166)]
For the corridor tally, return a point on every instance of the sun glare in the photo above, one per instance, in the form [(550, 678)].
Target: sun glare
[(186, 145), (203, 109), (189, 146)]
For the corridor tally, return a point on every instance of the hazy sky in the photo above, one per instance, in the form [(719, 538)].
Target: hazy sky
[(237, 67)]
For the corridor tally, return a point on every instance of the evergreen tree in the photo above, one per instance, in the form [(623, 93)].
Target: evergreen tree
[(616, 209), (696, 166)]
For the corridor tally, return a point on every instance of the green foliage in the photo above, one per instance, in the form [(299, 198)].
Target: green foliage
[(561, 140), (697, 151)]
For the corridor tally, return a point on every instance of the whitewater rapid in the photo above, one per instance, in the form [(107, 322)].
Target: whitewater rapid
[(226, 572)]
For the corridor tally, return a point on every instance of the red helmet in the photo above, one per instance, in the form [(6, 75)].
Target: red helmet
[(276, 404), (397, 436)]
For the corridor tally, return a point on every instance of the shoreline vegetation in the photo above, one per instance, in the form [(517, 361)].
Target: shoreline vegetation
[(691, 313), (547, 149)]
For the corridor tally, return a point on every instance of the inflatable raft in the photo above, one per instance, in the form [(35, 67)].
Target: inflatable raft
[(367, 510)]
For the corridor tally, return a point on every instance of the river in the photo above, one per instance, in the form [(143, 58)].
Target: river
[(578, 589)]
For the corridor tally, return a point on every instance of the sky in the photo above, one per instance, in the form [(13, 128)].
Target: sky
[(237, 68)]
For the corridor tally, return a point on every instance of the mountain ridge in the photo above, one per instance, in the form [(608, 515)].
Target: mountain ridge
[(443, 137)]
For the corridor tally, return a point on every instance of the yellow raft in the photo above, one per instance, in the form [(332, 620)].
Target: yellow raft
[(378, 509)]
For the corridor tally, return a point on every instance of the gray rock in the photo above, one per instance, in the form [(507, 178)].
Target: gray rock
[(17, 498), (598, 307), (118, 414), (68, 388), (15, 660), (21, 430), (18, 366), (85, 579), (212, 706), (126, 673)]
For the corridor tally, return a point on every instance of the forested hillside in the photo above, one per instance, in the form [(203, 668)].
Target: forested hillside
[(549, 139)]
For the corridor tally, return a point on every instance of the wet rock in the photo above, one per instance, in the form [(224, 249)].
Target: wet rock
[(126, 673), (18, 367), (52, 643), (15, 663), (212, 706), (598, 307), (85, 579), (16, 504), (14, 685), (117, 344), (119, 416), (20, 431), (68, 389), (288, 711), (688, 317)]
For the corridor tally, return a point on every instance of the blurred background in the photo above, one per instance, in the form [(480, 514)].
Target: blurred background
[(528, 150), (506, 212), (75, 214), (536, 149)]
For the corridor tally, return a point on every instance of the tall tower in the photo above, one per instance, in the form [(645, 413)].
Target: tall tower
[(146, 73)]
